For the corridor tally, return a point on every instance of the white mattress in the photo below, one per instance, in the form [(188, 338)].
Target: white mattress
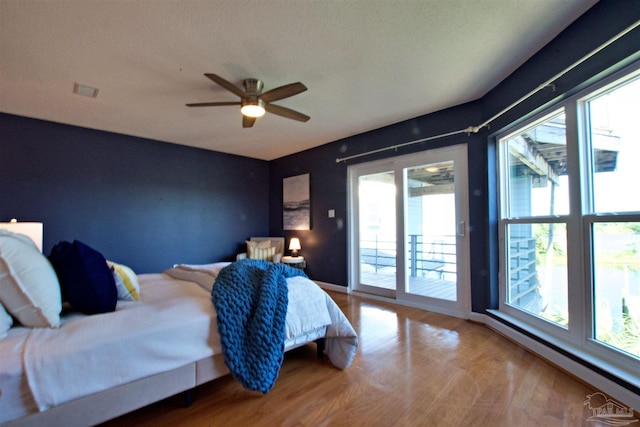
[(173, 325)]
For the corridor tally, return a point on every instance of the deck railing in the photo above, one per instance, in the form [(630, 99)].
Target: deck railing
[(522, 270), (426, 254)]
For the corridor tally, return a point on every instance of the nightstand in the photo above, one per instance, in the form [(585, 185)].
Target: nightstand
[(294, 261)]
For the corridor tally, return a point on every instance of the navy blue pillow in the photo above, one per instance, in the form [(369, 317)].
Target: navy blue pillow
[(85, 278)]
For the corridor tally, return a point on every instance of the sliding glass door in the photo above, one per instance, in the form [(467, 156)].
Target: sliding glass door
[(408, 239), (377, 241), (430, 231)]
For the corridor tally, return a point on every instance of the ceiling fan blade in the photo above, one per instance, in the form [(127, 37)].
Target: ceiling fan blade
[(213, 104), (248, 122), (283, 92), (226, 84), (286, 112)]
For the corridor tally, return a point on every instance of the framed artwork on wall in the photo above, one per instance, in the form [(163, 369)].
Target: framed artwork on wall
[(296, 210)]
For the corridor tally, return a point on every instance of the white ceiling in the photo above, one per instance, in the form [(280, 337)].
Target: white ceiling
[(366, 63)]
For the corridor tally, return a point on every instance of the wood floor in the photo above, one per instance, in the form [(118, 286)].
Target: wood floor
[(413, 368)]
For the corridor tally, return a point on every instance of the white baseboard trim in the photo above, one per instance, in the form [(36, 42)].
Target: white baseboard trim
[(603, 384), (332, 287), (478, 318)]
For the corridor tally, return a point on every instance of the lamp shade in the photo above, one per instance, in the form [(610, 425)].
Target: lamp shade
[(253, 108), (252, 111), (32, 230), (294, 246)]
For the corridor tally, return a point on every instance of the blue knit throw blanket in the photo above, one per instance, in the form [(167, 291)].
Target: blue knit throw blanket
[(250, 298)]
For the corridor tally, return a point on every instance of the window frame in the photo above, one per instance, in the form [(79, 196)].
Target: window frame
[(538, 323), (579, 336)]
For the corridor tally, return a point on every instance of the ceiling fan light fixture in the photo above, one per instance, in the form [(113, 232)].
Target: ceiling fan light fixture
[(253, 102), (253, 108)]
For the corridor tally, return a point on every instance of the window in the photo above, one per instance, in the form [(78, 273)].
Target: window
[(535, 159), (570, 223), (613, 168), (535, 235)]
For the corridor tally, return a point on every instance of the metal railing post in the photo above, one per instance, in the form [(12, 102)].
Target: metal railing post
[(413, 254)]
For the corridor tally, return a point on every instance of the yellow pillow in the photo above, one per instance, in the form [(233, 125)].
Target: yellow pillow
[(261, 250), (128, 286)]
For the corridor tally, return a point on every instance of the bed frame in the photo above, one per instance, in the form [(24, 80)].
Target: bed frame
[(117, 401), (111, 403)]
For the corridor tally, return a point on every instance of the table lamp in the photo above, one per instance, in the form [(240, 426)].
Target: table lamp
[(294, 246), (32, 230)]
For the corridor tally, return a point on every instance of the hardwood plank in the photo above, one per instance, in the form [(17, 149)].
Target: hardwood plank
[(413, 368)]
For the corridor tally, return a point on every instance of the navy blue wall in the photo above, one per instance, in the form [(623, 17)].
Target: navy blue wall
[(143, 203), (325, 246)]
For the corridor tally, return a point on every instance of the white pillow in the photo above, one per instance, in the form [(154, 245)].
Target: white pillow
[(29, 287), (126, 282), (211, 269), (205, 280), (5, 322), (202, 274)]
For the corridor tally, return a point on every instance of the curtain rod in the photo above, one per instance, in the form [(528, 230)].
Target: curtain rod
[(476, 129)]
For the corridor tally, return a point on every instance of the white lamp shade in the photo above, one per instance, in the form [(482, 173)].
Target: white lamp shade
[(294, 244), (32, 230)]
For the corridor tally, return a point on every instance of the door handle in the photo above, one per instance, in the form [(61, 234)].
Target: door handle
[(460, 229)]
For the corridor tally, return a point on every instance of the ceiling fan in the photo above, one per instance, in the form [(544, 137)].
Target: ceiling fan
[(254, 102)]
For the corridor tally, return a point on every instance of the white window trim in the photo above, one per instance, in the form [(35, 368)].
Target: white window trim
[(577, 339)]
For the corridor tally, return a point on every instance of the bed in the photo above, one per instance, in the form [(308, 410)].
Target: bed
[(92, 368)]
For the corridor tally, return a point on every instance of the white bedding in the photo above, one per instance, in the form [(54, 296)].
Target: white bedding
[(15, 397), (173, 325)]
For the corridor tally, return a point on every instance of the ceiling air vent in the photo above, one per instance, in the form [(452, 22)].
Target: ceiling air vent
[(84, 90)]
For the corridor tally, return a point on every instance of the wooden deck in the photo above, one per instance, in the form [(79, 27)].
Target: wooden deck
[(431, 286)]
